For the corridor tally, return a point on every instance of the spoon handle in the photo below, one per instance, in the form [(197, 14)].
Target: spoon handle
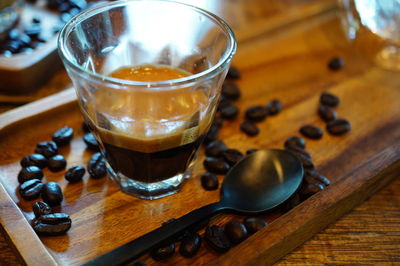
[(133, 249)]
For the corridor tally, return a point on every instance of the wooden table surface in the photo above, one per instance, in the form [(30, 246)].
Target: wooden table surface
[(370, 234)]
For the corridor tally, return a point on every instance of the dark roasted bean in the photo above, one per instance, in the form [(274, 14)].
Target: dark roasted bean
[(256, 113), (33, 30), (274, 107), (52, 224), (190, 244), (335, 63), (209, 181), (218, 121), (253, 224), (63, 136), (233, 73), (307, 190), (235, 231), (250, 151), (57, 163), (216, 165), (215, 148), (312, 177), (311, 132), (163, 252), (329, 99), (91, 142), (28, 173), (31, 189), (290, 203), (75, 174), (47, 148), (338, 127), (229, 112), (297, 150), (230, 91), (41, 208), (222, 102), (216, 239), (249, 128), (52, 194), (305, 161), (326, 113), (212, 134), (295, 142), (34, 159), (232, 156), (97, 166)]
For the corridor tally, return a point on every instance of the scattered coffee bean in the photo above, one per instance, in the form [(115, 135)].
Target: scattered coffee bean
[(232, 156), (297, 150), (307, 190), (295, 142), (47, 148), (57, 163), (311, 132), (249, 128), (52, 194), (335, 63), (34, 159), (222, 102), (75, 174), (230, 90), (338, 127), (28, 173), (229, 112), (233, 73), (215, 148), (256, 113), (312, 177), (91, 142), (211, 135), (250, 151), (236, 232), (253, 224), (63, 136), (305, 161), (31, 189), (163, 252), (52, 224), (326, 113), (41, 208), (216, 165), (329, 99), (97, 166), (190, 244), (218, 121), (216, 239), (274, 107), (209, 181)]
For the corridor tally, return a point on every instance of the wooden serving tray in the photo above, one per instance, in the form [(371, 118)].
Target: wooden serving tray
[(289, 64)]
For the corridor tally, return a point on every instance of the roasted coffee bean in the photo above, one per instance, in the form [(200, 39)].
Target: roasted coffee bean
[(311, 132), (326, 113), (216, 165), (233, 73), (163, 252), (230, 91), (290, 203), (41, 208), (212, 134), (33, 30), (47, 148), (216, 239), (335, 63), (216, 148), (75, 174), (307, 190), (218, 121), (338, 127), (229, 112), (305, 161), (190, 244), (329, 99), (85, 127), (297, 150), (222, 102), (34, 159), (63, 136), (235, 231), (274, 107), (249, 128), (256, 113), (28, 173), (57, 163), (254, 224), (313, 177), (209, 181), (250, 151), (295, 142), (232, 156), (52, 194), (31, 189), (97, 166), (52, 224), (91, 142)]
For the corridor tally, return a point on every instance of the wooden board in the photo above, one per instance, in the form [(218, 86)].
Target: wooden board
[(288, 63)]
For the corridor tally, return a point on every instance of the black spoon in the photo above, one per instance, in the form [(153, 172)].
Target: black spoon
[(259, 182)]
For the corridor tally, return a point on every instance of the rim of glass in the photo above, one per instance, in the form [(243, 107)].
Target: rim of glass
[(195, 78)]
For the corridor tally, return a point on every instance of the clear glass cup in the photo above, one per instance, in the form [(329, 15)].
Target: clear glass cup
[(149, 132), (373, 26)]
